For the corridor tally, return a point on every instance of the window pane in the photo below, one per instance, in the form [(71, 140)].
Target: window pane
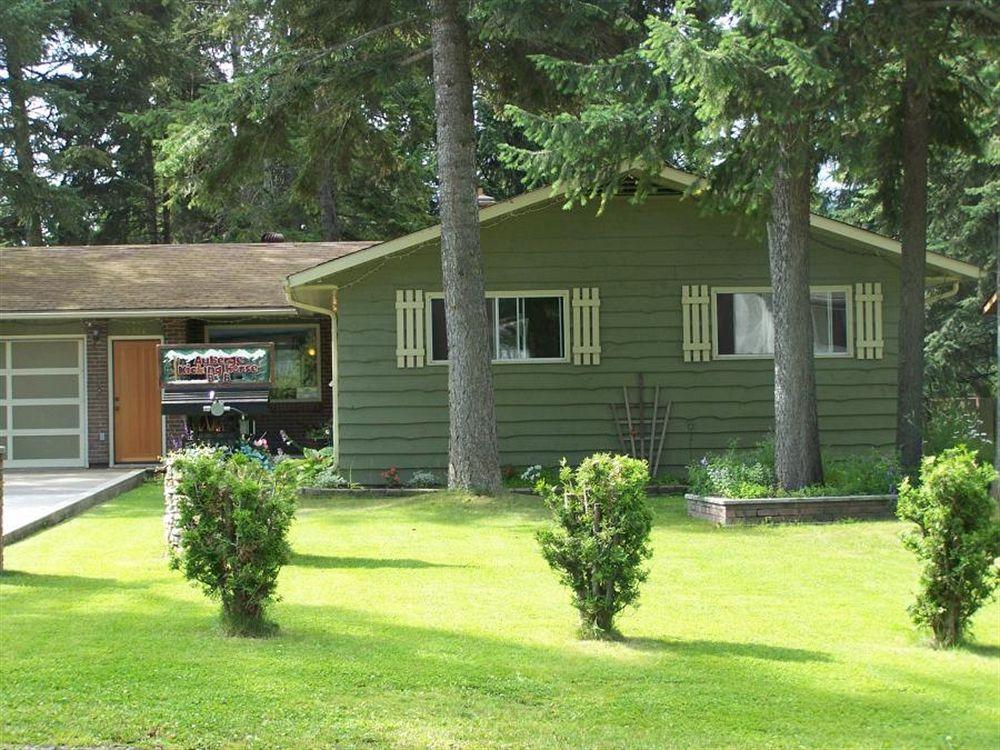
[(439, 331), (45, 386), (296, 354), (829, 314), (507, 329), (51, 353), (838, 314), (724, 325), (45, 446), (822, 333), (45, 417), (543, 327), (753, 323)]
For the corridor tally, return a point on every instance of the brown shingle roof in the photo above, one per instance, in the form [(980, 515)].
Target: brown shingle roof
[(155, 277)]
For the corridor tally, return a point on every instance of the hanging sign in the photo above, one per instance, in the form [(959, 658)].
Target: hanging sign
[(225, 365)]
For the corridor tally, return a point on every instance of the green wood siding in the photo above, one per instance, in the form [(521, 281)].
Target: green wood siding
[(639, 257)]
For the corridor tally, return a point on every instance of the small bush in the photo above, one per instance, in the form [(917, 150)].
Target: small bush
[(750, 474), (865, 474), (953, 422), (600, 536), (729, 473), (424, 479), (302, 472), (330, 478), (957, 539), (233, 515)]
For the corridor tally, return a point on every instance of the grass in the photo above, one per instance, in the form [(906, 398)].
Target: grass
[(432, 621)]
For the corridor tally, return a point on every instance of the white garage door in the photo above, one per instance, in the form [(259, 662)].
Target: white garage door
[(43, 401)]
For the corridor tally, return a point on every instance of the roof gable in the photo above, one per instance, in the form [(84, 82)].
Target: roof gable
[(872, 240)]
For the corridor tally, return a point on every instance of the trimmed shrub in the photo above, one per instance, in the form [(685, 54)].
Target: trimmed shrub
[(957, 539), (600, 536), (233, 517)]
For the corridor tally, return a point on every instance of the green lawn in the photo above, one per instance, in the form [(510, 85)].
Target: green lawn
[(433, 622)]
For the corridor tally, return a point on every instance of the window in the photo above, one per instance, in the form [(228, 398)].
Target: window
[(296, 354), (744, 322), (531, 327)]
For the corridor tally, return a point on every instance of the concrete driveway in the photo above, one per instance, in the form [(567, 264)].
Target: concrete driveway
[(34, 499)]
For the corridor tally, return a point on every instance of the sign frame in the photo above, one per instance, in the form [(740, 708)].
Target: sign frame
[(201, 385)]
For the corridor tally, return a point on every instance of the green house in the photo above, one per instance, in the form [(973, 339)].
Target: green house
[(580, 305)]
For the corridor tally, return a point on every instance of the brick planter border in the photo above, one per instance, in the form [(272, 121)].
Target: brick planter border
[(732, 511)]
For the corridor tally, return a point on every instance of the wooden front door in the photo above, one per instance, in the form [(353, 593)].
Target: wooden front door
[(136, 400)]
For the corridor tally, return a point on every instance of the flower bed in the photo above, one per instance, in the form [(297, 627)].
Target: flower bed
[(729, 511)]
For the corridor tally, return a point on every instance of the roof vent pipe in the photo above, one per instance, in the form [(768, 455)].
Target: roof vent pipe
[(272, 237), (484, 200)]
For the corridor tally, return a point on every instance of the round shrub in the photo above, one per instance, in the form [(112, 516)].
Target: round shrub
[(957, 539), (599, 537), (233, 516)]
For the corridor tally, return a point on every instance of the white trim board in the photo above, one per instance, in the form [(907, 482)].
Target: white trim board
[(873, 240)]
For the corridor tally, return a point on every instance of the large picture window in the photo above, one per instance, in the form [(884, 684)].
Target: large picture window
[(526, 327), (296, 354), (744, 322)]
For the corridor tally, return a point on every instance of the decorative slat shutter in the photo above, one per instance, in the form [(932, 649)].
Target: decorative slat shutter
[(696, 305), (410, 351), (868, 342), (586, 326)]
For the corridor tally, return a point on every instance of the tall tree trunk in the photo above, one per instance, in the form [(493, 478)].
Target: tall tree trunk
[(152, 205), (474, 456), (329, 217), (22, 142), (913, 218), (796, 426)]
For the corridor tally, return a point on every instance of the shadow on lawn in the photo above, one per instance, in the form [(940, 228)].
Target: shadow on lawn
[(79, 584), (430, 677), (330, 562), (727, 649)]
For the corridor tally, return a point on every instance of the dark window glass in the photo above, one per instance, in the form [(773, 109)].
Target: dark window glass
[(520, 328), (296, 355), (439, 333), (724, 323), (543, 327)]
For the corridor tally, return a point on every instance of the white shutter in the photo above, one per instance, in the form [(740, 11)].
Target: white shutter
[(696, 305), (868, 341), (586, 326), (410, 350)]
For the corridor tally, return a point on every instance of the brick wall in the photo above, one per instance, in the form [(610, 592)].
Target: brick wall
[(98, 417), (175, 331)]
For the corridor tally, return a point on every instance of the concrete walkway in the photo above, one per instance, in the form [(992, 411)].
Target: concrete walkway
[(33, 500)]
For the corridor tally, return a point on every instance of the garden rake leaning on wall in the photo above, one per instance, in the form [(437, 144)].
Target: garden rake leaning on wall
[(641, 426)]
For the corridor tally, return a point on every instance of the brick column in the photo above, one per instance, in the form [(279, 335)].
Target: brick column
[(98, 417), (175, 331)]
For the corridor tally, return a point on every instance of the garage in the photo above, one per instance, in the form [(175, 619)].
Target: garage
[(43, 404)]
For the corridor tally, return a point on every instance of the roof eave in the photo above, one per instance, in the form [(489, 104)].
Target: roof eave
[(214, 312)]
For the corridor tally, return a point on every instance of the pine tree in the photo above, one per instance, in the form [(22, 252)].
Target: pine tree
[(474, 456)]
